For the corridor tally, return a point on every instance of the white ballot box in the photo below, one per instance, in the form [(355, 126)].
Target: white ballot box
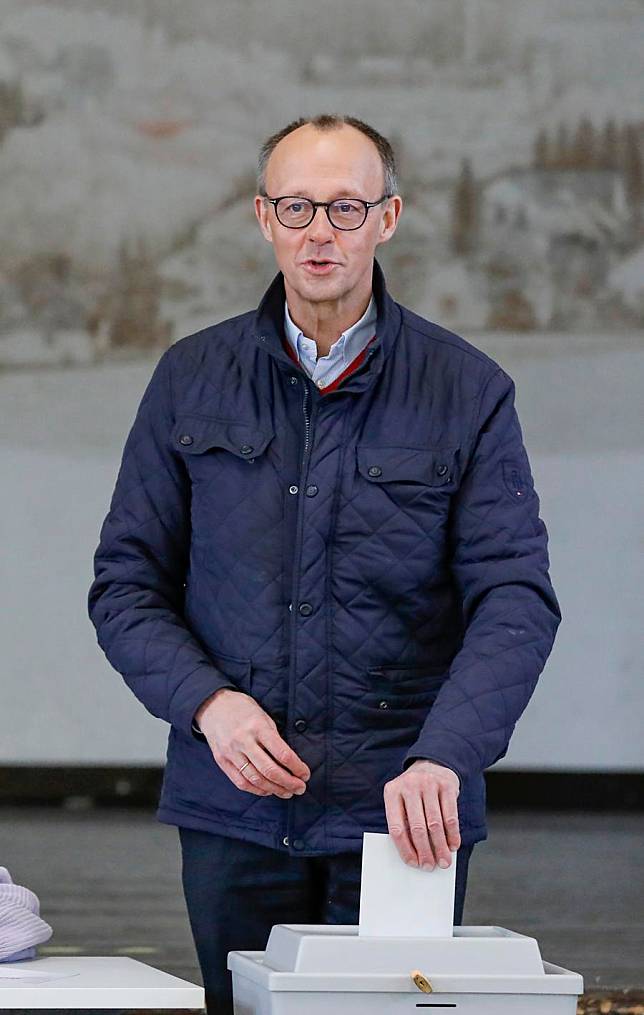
[(332, 970), (88, 981), (404, 955)]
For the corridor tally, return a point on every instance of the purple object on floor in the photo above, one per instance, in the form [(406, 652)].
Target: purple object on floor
[(21, 926)]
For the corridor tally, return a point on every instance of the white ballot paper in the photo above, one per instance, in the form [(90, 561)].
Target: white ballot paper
[(397, 900), (29, 976)]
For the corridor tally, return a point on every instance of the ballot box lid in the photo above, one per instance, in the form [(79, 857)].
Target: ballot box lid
[(302, 948)]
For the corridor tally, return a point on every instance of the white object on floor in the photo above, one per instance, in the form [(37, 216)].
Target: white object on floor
[(94, 981), (397, 900)]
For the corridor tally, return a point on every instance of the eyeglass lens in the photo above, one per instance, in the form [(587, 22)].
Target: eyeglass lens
[(345, 214)]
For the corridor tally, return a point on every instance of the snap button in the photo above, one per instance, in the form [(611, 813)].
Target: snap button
[(285, 840), (290, 606), (305, 609), (311, 490), (185, 439), (441, 469), (293, 489), (300, 725), (374, 470), (383, 704), (246, 449), (298, 844), (293, 379)]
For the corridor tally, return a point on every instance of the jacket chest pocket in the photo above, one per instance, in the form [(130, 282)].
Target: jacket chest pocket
[(399, 480), (211, 445), (403, 466)]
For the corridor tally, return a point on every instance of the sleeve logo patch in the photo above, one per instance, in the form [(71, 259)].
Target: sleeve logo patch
[(517, 479)]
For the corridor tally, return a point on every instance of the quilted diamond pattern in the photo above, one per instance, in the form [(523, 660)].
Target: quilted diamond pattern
[(406, 522)]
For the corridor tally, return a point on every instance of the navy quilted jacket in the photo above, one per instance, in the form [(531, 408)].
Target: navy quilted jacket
[(368, 563)]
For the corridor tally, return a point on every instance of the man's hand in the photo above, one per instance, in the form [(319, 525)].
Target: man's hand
[(422, 814), (237, 730)]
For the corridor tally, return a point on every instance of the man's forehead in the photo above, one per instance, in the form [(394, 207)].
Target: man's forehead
[(321, 191), (323, 168), (323, 184)]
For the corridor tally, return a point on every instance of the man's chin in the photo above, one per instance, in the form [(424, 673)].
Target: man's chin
[(320, 287)]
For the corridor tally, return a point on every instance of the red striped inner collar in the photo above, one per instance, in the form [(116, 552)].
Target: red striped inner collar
[(349, 369)]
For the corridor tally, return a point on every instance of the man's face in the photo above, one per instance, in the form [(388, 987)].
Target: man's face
[(324, 166)]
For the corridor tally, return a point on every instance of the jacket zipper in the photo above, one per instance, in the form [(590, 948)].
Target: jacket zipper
[(307, 421), (307, 435)]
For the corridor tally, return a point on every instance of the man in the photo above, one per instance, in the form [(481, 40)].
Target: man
[(324, 567)]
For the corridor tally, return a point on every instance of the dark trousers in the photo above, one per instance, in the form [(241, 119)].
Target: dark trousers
[(236, 891)]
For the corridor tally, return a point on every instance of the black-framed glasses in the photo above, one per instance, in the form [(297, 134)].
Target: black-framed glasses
[(296, 212)]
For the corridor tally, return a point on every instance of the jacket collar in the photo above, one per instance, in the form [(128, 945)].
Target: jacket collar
[(268, 328)]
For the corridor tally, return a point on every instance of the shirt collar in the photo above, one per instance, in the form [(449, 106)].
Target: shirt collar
[(347, 339)]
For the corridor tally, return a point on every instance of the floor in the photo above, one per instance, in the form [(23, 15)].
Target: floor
[(108, 881)]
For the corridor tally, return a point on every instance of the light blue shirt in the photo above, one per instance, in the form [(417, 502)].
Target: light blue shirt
[(323, 371)]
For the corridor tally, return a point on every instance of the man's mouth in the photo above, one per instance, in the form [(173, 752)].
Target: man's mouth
[(318, 265)]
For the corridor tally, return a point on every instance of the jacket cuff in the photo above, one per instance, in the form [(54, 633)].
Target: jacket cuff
[(192, 692), (449, 748)]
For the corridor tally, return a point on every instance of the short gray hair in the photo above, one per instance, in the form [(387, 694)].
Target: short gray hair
[(331, 121)]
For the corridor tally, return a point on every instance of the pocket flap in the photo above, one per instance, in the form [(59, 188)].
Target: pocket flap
[(393, 677), (383, 464), (192, 435)]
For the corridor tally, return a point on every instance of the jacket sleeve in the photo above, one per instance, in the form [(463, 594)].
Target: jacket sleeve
[(499, 561), (136, 599)]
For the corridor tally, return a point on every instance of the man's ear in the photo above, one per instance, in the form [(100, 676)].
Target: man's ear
[(262, 218), (390, 220)]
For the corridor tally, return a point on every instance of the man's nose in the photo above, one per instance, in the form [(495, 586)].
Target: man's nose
[(320, 229)]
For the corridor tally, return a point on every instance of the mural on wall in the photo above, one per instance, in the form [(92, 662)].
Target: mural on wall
[(129, 133)]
